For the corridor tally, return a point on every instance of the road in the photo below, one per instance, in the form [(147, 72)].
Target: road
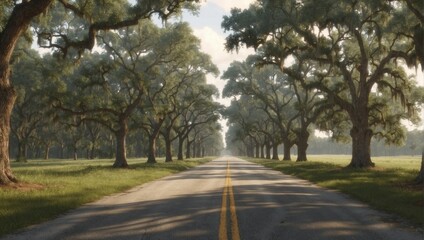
[(227, 198)]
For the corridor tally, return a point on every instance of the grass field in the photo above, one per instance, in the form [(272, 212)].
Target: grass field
[(52, 187), (387, 187)]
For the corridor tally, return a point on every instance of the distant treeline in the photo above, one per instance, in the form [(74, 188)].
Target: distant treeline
[(411, 146)]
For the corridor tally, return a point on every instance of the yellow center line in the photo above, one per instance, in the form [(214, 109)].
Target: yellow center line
[(223, 217), (228, 192)]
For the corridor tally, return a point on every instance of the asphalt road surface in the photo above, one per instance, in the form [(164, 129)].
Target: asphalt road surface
[(227, 198)]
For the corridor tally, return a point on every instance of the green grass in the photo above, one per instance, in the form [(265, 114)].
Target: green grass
[(387, 187), (56, 186)]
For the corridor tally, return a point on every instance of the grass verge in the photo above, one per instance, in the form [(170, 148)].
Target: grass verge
[(51, 187), (388, 187)]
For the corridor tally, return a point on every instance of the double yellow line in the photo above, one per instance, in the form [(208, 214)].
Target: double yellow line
[(228, 193)]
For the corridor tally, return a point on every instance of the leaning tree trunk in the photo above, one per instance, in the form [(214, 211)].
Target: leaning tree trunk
[(17, 23), (7, 100), (361, 147), (420, 178), (121, 154)]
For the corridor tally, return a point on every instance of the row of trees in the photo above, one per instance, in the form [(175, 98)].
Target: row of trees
[(145, 80), (71, 27), (339, 65)]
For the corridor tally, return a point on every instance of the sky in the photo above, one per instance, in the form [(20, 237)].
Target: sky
[(207, 27)]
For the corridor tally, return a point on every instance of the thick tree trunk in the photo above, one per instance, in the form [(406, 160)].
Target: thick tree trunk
[(17, 23), (420, 178), (151, 156), (275, 151), (7, 99), (121, 154), (302, 146), (361, 148), (301, 152), (287, 147), (180, 148)]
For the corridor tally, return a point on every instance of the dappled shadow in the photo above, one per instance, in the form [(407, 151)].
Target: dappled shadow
[(269, 205)]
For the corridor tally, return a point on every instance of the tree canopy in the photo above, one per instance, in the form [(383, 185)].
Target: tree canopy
[(357, 51)]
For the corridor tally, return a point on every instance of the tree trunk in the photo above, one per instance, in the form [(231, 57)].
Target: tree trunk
[(361, 148), (121, 154), (92, 149), (168, 149), (151, 155), (75, 153), (188, 148), (257, 150), (203, 151), (22, 152), (7, 100), (47, 152), (301, 152), (420, 178), (180, 148), (275, 151), (287, 146), (268, 150), (262, 151), (302, 146), (194, 153), (17, 23)]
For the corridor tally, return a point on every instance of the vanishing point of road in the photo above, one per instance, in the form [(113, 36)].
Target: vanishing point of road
[(227, 198)]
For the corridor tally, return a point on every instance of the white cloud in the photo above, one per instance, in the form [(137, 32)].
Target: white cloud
[(212, 43)]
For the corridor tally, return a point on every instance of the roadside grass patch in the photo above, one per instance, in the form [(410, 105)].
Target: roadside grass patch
[(388, 187), (49, 188)]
